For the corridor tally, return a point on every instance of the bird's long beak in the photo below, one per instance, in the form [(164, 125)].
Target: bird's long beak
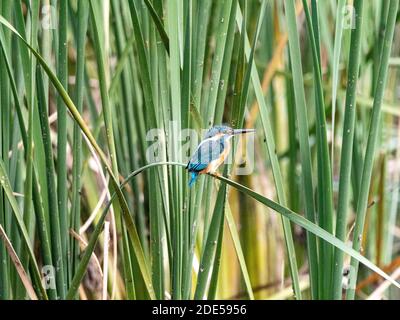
[(242, 131)]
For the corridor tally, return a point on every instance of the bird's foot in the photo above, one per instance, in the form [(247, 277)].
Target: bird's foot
[(216, 174)]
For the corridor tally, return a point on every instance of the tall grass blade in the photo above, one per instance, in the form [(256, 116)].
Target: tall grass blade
[(347, 146), (303, 129), (78, 118), (325, 201), (36, 279)]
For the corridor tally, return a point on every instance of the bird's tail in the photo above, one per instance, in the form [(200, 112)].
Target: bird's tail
[(193, 178)]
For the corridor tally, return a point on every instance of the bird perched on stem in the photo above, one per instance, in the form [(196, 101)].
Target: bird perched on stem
[(212, 151)]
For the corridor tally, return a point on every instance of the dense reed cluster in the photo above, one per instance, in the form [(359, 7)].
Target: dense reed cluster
[(103, 102)]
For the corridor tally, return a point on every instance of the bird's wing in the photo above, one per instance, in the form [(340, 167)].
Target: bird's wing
[(207, 151)]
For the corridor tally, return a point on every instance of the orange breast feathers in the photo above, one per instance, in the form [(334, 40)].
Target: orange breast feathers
[(213, 165)]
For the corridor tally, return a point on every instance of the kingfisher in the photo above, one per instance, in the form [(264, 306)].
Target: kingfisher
[(212, 151)]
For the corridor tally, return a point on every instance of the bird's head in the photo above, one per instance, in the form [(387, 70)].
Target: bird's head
[(225, 131)]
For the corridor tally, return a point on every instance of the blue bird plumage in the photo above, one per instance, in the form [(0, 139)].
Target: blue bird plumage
[(212, 151)]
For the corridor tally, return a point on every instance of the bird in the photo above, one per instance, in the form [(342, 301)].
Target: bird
[(212, 151)]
